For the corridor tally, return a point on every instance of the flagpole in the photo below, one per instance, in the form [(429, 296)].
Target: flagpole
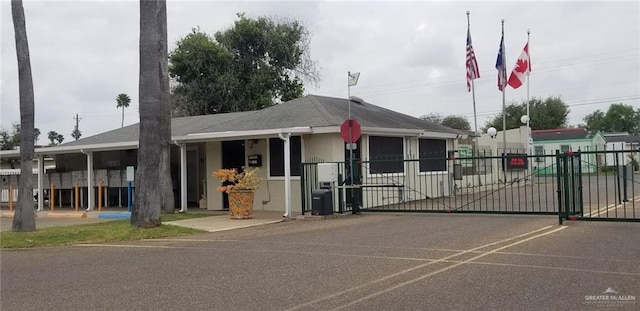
[(354, 209), (528, 115), (504, 105), (473, 91), (475, 115)]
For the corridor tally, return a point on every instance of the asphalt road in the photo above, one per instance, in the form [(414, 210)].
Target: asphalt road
[(365, 262)]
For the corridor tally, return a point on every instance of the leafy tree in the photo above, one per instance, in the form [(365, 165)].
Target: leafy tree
[(452, 121), (618, 118), (24, 218), (433, 117), (54, 138), (252, 65), (548, 114), (11, 140), (122, 100), (154, 193), (456, 122)]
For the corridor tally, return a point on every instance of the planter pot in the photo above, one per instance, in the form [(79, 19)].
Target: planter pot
[(241, 204)]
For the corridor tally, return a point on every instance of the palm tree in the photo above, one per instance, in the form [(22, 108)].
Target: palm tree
[(155, 193), (24, 218), (55, 138), (123, 101)]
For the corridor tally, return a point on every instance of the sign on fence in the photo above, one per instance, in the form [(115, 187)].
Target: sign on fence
[(465, 151), (516, 161)]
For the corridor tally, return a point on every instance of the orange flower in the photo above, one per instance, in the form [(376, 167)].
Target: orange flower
[(248, 180)]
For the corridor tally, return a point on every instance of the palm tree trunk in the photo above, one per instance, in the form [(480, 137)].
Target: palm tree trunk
[(168, 203), (122, 117), (24, 217), (153, 183)]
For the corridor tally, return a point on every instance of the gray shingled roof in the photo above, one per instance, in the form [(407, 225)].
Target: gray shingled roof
[(179, 126), (623, 138), (560, 134), (310, 110)]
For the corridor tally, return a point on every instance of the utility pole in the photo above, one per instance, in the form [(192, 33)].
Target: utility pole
[(76, 132)]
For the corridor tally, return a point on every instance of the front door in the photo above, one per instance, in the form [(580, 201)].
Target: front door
[(233, 156)]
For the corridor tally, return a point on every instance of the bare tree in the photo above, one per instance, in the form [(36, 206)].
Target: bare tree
[(153, 179), (24, 218)]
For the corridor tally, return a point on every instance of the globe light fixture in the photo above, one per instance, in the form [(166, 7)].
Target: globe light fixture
[(492, 132), (524, 119)]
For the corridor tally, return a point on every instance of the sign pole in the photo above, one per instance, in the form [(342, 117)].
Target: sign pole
[(354, 209)]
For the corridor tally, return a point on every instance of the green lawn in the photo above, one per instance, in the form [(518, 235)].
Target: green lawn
[(115, 230)]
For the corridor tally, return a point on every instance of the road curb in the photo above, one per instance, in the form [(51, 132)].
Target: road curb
[(11, 214), (67, 215)]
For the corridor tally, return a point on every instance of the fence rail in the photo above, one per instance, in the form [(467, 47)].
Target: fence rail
[(583, 184)]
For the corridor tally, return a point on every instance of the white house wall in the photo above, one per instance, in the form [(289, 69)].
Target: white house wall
[(407, 186)]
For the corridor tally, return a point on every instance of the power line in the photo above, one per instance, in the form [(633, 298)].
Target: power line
[(455, 79), (571, 104)]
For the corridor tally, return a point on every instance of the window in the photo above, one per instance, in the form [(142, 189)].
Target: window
[(386, 154), (565, 148), (433, 155), (539, 150), (276, 156)]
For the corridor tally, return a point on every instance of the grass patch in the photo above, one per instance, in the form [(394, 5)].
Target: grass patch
[(110, 231)]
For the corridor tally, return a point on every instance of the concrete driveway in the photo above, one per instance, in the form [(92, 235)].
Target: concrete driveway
[(365, 262)]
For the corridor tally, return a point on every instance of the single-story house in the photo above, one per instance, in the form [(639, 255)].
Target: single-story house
[(629, 145), (307, 129), (546, 142)]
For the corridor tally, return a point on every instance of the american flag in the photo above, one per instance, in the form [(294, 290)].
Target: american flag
[(472, 65), (502, 70)]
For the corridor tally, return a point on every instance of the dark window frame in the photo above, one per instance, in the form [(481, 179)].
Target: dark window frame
[(382, 158), (276, 156), (432, 161)]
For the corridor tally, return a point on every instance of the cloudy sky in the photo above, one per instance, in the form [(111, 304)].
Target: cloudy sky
[(411, 55)]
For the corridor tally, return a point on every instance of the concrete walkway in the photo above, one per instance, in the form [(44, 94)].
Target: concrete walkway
[(223, 222)]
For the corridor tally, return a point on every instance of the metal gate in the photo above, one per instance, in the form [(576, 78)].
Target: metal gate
[(599, 185), (582, 185), (511, 183)]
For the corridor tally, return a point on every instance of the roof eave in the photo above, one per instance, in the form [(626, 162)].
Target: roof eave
[(196, 137)]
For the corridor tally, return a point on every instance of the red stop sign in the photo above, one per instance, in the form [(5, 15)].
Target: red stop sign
[(350, 126)]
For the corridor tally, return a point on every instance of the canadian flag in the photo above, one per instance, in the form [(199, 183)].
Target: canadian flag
[(523, 67)]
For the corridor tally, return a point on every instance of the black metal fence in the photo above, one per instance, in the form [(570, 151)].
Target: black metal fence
[(581, 185), (610, 190)]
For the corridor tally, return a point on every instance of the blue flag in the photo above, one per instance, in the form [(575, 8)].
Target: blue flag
[(502, 70)]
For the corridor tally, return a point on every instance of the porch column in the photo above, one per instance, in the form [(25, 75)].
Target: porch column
[(90, 198), (40, 183), (183, 178), (287, 173)]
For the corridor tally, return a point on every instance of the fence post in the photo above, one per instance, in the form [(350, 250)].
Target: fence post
[(11, 198), (580, 198), (303, 178), (100, 196), (77, 196), (52, 197), (559, 185)]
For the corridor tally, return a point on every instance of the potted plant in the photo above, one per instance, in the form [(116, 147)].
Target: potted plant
[(241, 191)]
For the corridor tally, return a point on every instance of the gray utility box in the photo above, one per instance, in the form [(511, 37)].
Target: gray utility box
[(322, 202)]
